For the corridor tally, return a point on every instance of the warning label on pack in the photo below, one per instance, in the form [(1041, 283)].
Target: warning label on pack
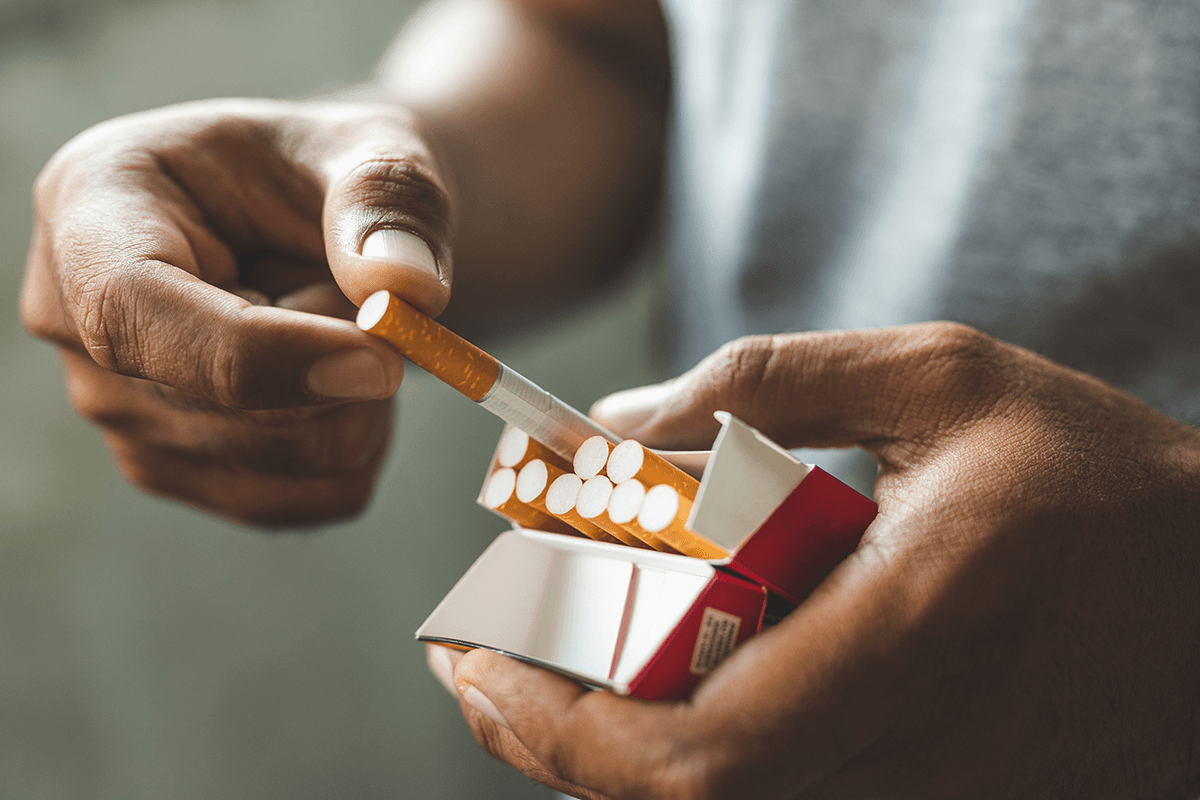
[(718, 635)]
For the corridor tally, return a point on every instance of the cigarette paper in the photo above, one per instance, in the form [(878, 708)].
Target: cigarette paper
[(469, 370), (629, 460), (591, 457), (500, 496), (533, 485), (664, 513), (623, 506), (516, 449), (592, 505), (560, 503)]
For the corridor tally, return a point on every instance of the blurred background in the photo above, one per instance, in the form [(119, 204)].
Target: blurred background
[(149, 651)]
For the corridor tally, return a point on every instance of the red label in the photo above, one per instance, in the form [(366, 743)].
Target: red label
[(815, 527), (694, 648)]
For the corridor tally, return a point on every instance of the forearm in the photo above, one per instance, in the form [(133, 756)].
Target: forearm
[(550, 119)]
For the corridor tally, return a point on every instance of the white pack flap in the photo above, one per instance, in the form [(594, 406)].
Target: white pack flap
[(568, 603), (746, 479)]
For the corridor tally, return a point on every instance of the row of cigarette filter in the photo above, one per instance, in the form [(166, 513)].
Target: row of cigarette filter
[(622, 494)]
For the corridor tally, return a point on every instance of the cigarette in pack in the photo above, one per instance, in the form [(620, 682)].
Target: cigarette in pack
[(641, 480), (516, 449), (592, 457), (535, 483), (478, 375), (624, 504), (561, 499), (500, 495), (592, 505), (663, 514), (631, 460)]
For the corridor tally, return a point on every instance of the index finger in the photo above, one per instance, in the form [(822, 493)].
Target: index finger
[(125, 267), (828, 389)]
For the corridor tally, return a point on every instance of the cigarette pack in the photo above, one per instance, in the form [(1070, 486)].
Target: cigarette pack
[(652, 624)]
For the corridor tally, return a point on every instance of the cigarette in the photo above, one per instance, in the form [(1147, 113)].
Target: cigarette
[(664, 514), (560, 503), (629, 460), (623, 506), (516, 449), (592, 505), (533, 487), (469, 370), (500, 496), (591, 457)]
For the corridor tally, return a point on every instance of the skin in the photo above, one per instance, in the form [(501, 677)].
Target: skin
[(1019, 621), (194, 265)]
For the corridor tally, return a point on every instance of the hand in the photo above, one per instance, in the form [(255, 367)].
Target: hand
[(1020, 621), (193, 265)]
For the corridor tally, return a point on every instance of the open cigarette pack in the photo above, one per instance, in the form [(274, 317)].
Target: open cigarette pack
[(631, 619)]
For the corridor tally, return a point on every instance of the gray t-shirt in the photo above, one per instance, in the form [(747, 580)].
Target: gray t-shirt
[(1029, 167)]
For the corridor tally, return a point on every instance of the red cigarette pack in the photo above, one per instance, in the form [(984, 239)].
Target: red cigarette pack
[(652, 624)]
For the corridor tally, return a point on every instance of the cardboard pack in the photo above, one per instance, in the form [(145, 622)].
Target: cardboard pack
[(652, 624)]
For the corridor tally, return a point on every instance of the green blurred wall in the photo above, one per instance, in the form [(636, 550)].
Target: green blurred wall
[(149, 651)]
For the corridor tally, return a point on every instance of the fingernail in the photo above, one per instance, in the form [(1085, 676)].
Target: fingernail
[(442, 667), (390, 244), (357, 374), (631, 408), (478, 701)]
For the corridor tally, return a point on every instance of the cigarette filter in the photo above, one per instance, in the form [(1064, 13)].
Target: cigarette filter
[(663, 514), (500, 496), (592, 505), (630, 459), (469, 370), (517, 448), (623, 506), (533, 487), (591, 457), (560, 503)]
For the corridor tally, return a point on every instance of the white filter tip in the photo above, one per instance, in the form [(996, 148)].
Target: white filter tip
[(593, 497), (532, 480), (500, 488), (562, 494), (659, 508)]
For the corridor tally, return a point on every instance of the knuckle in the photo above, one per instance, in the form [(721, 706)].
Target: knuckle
[(248, 367), (104, 303), (397, 180), (407, 186), (954, 374), (234, 380), (742, 369), (960, 355)]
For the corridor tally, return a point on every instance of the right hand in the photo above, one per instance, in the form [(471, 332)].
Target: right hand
[(193, 265)]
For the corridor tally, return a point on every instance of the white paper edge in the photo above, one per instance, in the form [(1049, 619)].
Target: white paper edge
[(745, 480)]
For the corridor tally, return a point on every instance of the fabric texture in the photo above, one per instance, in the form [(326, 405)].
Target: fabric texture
[(1029, 167)]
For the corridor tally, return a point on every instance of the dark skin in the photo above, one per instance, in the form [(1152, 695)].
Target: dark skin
[(1019, 621), (193, 264)]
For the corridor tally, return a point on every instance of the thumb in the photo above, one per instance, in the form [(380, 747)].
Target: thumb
[(835, 389), (561, 734), (388, 215)]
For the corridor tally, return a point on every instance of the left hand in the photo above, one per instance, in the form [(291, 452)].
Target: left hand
[(1019, 621)]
